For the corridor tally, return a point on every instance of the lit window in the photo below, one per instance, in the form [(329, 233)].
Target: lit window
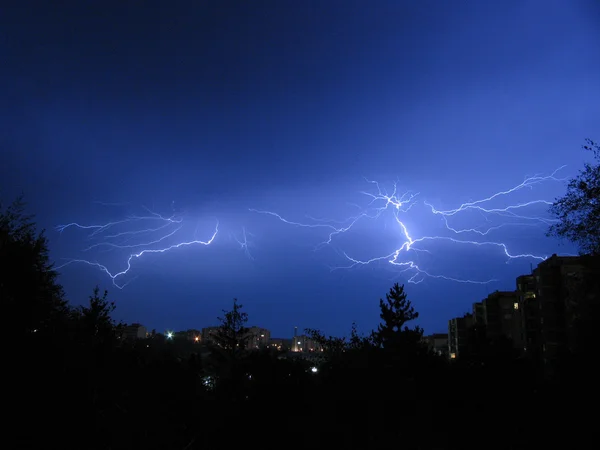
[(452, 355), (516, 305)]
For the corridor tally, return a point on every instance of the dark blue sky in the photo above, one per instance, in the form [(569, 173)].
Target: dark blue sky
[(204, 110)]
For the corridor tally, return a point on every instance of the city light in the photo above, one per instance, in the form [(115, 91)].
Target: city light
[(314, 369), (169, 335)]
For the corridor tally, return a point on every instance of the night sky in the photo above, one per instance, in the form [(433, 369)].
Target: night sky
[(176, 117)]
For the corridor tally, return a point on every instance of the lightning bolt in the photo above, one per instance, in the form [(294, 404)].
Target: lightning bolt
[(244, 243), (149, 231), (402, 203), (380, 202)]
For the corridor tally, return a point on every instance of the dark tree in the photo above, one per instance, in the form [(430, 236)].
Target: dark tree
[(94, 322), (578, 214), (330, 345), (31, 299), (578, 211), (358, 341), (34, 323), (232, 334), (396, 311)]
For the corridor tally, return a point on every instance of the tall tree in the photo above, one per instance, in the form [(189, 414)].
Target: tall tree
[(94, 322), (33, 325), (30, 296), (396, 311), (232, 334), (578, 211)]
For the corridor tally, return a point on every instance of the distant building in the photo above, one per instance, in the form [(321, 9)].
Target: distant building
[(503, 317), (479, 313), (458, 335), (134, 331), (529, 314), (537, 317), (547, 304), (437, 343), (258, 338), (546, 300), (190, 335), (304, 343), (280, 344), (555, 315), (495, 317)]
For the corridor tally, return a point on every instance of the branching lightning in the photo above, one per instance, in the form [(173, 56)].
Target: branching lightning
[(134, 236), (244, 243), (380, 202), (152, 233)]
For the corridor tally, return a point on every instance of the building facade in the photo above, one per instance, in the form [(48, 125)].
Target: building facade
[(257, 338), (134, 331), (280, 344), (437, 343), (458, 335), (529, 315), (503, 318), (554, 308), (304, 343), (538, 317)]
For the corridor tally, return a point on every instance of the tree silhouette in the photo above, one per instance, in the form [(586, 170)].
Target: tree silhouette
[(94, 322), (358, 341), (331, 345), (396, 311), (29, 293), (232, 334), (578, 211)]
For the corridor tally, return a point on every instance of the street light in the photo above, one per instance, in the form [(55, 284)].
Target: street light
[(169, 335)]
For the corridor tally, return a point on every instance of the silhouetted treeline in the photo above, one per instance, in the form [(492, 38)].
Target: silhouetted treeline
[(72, 381)]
